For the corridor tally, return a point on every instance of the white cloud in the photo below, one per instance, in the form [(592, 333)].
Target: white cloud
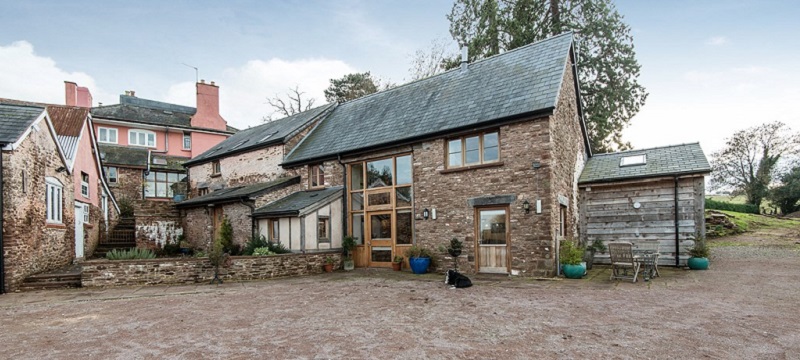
[(717, 41), (24, 75), (245, 89)]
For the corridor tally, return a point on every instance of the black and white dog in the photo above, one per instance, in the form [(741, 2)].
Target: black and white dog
[(457, 280)]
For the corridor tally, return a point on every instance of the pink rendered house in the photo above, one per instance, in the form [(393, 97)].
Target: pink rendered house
[(143, 145)]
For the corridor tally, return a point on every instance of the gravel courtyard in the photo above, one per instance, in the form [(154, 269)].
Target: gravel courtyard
[(745, 307)]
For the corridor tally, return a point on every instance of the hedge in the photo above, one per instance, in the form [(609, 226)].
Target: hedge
[(721, 205)]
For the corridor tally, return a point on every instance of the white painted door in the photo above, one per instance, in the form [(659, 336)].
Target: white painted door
[(78, 230)]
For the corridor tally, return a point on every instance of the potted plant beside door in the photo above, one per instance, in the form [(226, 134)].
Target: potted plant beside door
[(397, 264), (419, 259), (348, 245), (571, 256)]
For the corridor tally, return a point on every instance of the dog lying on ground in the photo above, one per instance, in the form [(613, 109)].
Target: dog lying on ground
[(457, 280)]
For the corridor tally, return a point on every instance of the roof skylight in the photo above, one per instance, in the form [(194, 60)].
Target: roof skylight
[(633, 160)]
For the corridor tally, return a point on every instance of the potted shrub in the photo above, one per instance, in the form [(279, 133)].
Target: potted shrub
[(348, 245), (699, 255), (588, 255), (397, 263), (419, 259), (329, 261), (571, 256), (454, 250)]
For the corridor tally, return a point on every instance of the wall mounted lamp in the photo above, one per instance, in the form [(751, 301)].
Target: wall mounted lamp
[(425, 214), (526, 206)]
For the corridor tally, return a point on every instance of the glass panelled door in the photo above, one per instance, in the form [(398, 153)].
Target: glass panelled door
[(492, 237), (379, 238)]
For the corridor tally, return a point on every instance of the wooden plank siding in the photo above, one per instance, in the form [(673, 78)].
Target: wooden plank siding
[(608, 214)]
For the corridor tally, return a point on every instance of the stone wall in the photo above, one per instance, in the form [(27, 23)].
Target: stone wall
[(192, 270), (241, 169), (31, 245)]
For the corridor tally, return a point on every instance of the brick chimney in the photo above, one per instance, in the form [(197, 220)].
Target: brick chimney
[(77, 95), (207, 115)]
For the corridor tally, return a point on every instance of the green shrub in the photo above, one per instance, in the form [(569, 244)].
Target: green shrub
[(257, 241), (712, 204), (130, 254), (172, 247), (278, 248), (571, 254), (125, 207), (226, 238), (418, 252), (348, 244), (699, 249), (262, 251), (200, 254)]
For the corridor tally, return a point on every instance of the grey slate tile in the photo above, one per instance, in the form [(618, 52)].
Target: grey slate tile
[(661, 161)]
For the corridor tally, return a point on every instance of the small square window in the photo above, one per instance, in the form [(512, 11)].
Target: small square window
[(633, 160)]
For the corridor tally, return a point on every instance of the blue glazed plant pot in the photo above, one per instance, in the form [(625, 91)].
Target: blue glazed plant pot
[(573, 271), (696, 263), (419, 265)]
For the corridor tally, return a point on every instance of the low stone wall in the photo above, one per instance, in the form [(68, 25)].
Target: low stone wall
[(192, 270)]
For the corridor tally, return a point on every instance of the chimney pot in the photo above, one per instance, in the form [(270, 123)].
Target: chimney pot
[(133, 93), (127, 93), (212, 83), (202, 81)]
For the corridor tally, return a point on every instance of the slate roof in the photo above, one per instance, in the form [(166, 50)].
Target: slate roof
[(292, 205), (239, 192), (128, 156), (271, 133), (15, 120), (151, 112), (660, 161), (520, 82)]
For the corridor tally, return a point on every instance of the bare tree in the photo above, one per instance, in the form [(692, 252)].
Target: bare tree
[(429, 62), (750, 158), (293, 105)]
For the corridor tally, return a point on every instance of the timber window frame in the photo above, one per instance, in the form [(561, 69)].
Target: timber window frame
[(274, 230), (86, 210), (158, 184), (323, 229), (472, 150), (216, 168), (112, 174), (139, 137), (54, 200), (187, 141), (316, 176)]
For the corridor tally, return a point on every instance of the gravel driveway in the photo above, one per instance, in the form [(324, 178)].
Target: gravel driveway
[(745, 307)]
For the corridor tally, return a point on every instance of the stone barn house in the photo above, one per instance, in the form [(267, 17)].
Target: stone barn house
[(240, 174), (647, 195), (488, 153), (37, 197)]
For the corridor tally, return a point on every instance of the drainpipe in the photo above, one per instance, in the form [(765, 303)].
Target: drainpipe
[(677, 233), (2, 246)]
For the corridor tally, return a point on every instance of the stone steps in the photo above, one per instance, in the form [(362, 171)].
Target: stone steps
[(68, 277)]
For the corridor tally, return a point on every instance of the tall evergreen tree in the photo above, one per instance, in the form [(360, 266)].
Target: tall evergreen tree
[(607, 67), (350, 87)]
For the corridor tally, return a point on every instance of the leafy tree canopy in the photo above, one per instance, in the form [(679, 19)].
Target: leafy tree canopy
[(350, 87), (787, 194), (607, 67)]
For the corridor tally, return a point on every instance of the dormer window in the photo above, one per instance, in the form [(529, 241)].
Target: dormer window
[(633, 160)]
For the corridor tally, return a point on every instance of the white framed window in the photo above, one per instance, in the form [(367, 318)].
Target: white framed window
[(142, 138), (187, 141), (54, 200), (107, 135), (84, 184), (215, 167), (85, 213), (111, 174)]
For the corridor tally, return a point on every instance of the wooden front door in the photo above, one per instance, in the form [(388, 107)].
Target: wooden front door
[(379, 238), (491, 234), (217, 221)]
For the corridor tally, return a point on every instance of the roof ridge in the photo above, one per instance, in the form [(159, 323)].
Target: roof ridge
[(24, 105), (457, 68), (646, 149)]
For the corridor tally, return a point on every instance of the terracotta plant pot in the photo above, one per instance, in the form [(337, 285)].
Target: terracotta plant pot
[(328, 267), (397, 266)]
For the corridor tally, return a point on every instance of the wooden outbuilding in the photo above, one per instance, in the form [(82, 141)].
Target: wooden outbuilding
[(655, 194)]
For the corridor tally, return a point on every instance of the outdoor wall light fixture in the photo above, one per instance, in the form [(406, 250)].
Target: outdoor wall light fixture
[(526, 206), (425, 214), (433, 213)]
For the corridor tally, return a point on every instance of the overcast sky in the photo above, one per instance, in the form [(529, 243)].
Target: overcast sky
[(711, 67)]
